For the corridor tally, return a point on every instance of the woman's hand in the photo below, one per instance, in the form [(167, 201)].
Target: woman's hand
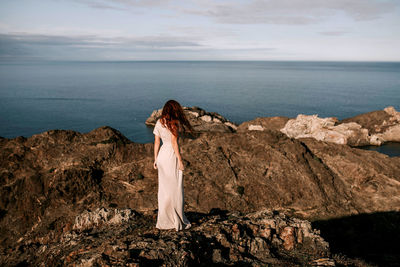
[(156, 148), (181, 167)]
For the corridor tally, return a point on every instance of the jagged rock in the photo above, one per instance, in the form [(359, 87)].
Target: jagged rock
[(325, 129), (217, 238), (386, 127), (101, 216), (201, 120), (373, 128)]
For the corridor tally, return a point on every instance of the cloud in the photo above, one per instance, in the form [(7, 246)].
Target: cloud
[(290, 11), (23, 46), (333, 33), (99, 5), (91, 40), (122, 4), (91, 47)]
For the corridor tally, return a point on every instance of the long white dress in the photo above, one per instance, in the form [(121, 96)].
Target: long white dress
[(170, 184)]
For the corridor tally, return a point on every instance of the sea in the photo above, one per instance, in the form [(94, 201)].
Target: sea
[(36, 96)]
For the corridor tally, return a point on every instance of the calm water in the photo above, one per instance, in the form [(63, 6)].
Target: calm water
[(38, 96), (392, 149)]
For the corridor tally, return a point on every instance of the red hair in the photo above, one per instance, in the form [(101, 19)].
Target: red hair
[(174, 118)]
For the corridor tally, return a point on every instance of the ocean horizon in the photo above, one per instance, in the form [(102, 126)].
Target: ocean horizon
[(37, 96)]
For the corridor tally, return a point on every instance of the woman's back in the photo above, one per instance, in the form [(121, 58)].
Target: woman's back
[(163, 132)]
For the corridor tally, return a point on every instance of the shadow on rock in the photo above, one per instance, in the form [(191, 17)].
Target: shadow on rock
[(373, 237)]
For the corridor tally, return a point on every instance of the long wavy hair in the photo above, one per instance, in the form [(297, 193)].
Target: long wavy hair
[(173, 117)]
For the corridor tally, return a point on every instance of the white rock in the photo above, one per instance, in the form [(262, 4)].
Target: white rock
[(89, 219), (391, 134), (217, 120), (323, 129), (375, 140), (255, 127), (206, 118)]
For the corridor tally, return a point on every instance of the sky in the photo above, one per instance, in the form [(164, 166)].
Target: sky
[(316, 30)]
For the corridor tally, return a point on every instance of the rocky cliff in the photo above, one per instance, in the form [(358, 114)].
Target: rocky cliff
[(50, 180)]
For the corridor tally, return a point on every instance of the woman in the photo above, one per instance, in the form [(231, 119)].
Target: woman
[(168, 161)]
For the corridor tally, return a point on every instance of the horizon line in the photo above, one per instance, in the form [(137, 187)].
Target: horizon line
[(199, 60)]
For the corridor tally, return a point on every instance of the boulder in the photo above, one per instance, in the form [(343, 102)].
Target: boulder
[(326, 129)]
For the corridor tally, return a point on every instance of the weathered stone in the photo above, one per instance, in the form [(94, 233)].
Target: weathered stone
[(288, 237), (323, 262), (255, 128), (382, 125), (324, 129), (357, 131), (90, 219), (206, 118)]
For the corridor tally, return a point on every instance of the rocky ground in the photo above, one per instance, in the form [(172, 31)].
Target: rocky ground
[(49, 181), (111, 237)]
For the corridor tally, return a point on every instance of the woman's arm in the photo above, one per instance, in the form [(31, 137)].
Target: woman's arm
[(174, 140), (156, 149)]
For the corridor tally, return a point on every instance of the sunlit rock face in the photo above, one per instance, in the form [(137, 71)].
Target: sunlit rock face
[(374, 128)]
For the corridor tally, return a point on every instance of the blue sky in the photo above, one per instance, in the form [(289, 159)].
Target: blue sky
[(348, 30)]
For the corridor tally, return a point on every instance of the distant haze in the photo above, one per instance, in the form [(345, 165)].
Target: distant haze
[(322, 30)]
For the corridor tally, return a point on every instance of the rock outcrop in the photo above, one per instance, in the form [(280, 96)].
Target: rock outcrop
[(373, 128), (201, 120), (56, 182), (327, 130), (382, 125)]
